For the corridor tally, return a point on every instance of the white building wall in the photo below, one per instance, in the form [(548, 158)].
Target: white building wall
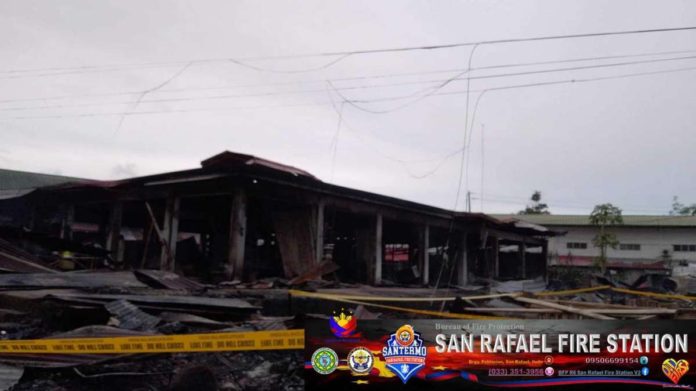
[(652, 241)]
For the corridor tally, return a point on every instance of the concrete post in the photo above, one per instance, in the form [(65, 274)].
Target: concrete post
[(378, 249), (237, 238), (113, 238), (319, 243), (425, 256), (463, 262)]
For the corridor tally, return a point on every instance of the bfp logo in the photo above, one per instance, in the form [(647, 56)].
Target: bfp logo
[(344, 325), (405, 353)]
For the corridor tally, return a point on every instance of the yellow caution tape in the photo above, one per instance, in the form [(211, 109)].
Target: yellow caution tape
[(620, 290), (653, 294), (299, 293), (212, 342), (438, 314), (573, 291)]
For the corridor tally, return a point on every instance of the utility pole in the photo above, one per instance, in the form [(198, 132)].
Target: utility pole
[(468, 201), (483, 127)]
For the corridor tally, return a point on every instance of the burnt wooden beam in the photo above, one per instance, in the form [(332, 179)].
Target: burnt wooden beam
[(160, 234), (398, 214)]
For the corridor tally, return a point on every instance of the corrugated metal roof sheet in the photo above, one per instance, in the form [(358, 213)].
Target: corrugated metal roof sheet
[(130, 317), (580, 220), (23, 180), (234, 159), (162, 279), (15, 259)]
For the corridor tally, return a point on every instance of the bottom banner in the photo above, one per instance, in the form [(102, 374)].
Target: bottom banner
[(346, 354)]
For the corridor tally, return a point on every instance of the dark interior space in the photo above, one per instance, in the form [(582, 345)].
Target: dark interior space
[(348, 239), (510, 261), (400, 263), (444, 254), (262, 254)]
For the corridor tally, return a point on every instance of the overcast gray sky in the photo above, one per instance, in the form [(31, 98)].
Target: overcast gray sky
[(148, 86)]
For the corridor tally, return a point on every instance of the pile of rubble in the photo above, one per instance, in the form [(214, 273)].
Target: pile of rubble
[(37, 301)]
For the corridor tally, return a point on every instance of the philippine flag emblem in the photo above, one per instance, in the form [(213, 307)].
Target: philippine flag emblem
[(405, 352), (344, 325)]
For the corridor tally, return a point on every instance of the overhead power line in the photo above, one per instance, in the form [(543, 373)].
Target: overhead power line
[(352, 102), (458, 92), (445, 157), (345, 79), (355, 104), (345, 54)]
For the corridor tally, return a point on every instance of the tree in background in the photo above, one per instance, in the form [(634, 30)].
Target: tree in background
[(536, 207), (603, 216), (679, 209)]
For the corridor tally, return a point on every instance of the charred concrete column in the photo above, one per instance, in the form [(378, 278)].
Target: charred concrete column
[(237, 239), (425, 256), (496, 257), (68, 220), (378, 249), (113, 238), (523, 258), (319, 238), (170, 233), (463, 262), (545, 258)]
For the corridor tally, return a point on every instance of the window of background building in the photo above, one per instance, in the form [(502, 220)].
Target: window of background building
[(576, 245), (629, 246), (684, 248)]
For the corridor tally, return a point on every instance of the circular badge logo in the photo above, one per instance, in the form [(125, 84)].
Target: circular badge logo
[(324, 360), (360, 360), (404, 335), (548, 360)]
